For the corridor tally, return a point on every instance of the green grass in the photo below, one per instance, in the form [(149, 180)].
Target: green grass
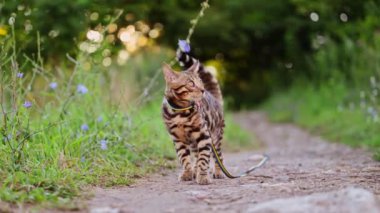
[(47, 154), (58, 162), (329, 110), (236, 138)]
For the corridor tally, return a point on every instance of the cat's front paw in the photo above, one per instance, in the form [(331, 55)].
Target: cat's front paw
[(186, 175), (203, 179)]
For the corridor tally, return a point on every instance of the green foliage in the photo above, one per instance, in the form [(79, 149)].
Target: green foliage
[(338, 98), (236, 138), (322, 110), (263, 44), (266, 45)]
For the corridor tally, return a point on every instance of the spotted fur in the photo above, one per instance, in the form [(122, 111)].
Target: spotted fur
[(199, 123)]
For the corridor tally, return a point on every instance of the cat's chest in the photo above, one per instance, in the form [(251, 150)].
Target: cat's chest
[(182, 131), (186, 123), (183, 127)]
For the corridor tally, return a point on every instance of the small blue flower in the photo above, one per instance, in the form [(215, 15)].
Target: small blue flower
[(20, 75), (184, 46), (82, 159), (103, 144), (373, 113), (27, 104), (7, 138), (53, 85), (371, 110), (99, 119), (84, 127), (82, 89)]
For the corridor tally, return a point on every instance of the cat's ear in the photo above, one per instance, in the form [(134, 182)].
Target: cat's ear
[(195, 67), (169, 74)]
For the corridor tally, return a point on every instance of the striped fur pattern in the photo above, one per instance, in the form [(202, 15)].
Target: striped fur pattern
[(200, 123)]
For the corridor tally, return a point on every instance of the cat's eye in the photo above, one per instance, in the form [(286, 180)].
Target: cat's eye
[(185, 93), (191, 83)]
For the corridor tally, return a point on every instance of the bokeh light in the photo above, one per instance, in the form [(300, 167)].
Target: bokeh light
[(94, 36), (314, 16), (343, 17)]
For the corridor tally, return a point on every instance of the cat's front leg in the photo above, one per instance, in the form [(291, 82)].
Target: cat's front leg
[(203, 161), (194, 152), (183, 154)]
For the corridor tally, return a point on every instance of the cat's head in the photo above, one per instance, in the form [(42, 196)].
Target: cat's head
[(185, 85)]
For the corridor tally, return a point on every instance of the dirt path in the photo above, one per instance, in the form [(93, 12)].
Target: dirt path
[(305, 174)]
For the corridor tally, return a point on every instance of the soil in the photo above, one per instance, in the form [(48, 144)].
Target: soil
[(305, 174)]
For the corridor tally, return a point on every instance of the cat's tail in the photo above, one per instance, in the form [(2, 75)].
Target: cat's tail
[(209, 80)]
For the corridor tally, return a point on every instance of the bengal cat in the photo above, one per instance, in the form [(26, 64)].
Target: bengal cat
[(193, 114)]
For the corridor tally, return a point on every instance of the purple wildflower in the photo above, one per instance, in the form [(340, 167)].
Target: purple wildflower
[(20, 75), (103, 144), (82, 159), (184, 46), (372, 112), (84, 127), (7, 138), (27, 104), (81, 89), (99, 119), (53, 85)]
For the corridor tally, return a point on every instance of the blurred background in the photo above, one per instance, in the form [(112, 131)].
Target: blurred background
[(257, 46)]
